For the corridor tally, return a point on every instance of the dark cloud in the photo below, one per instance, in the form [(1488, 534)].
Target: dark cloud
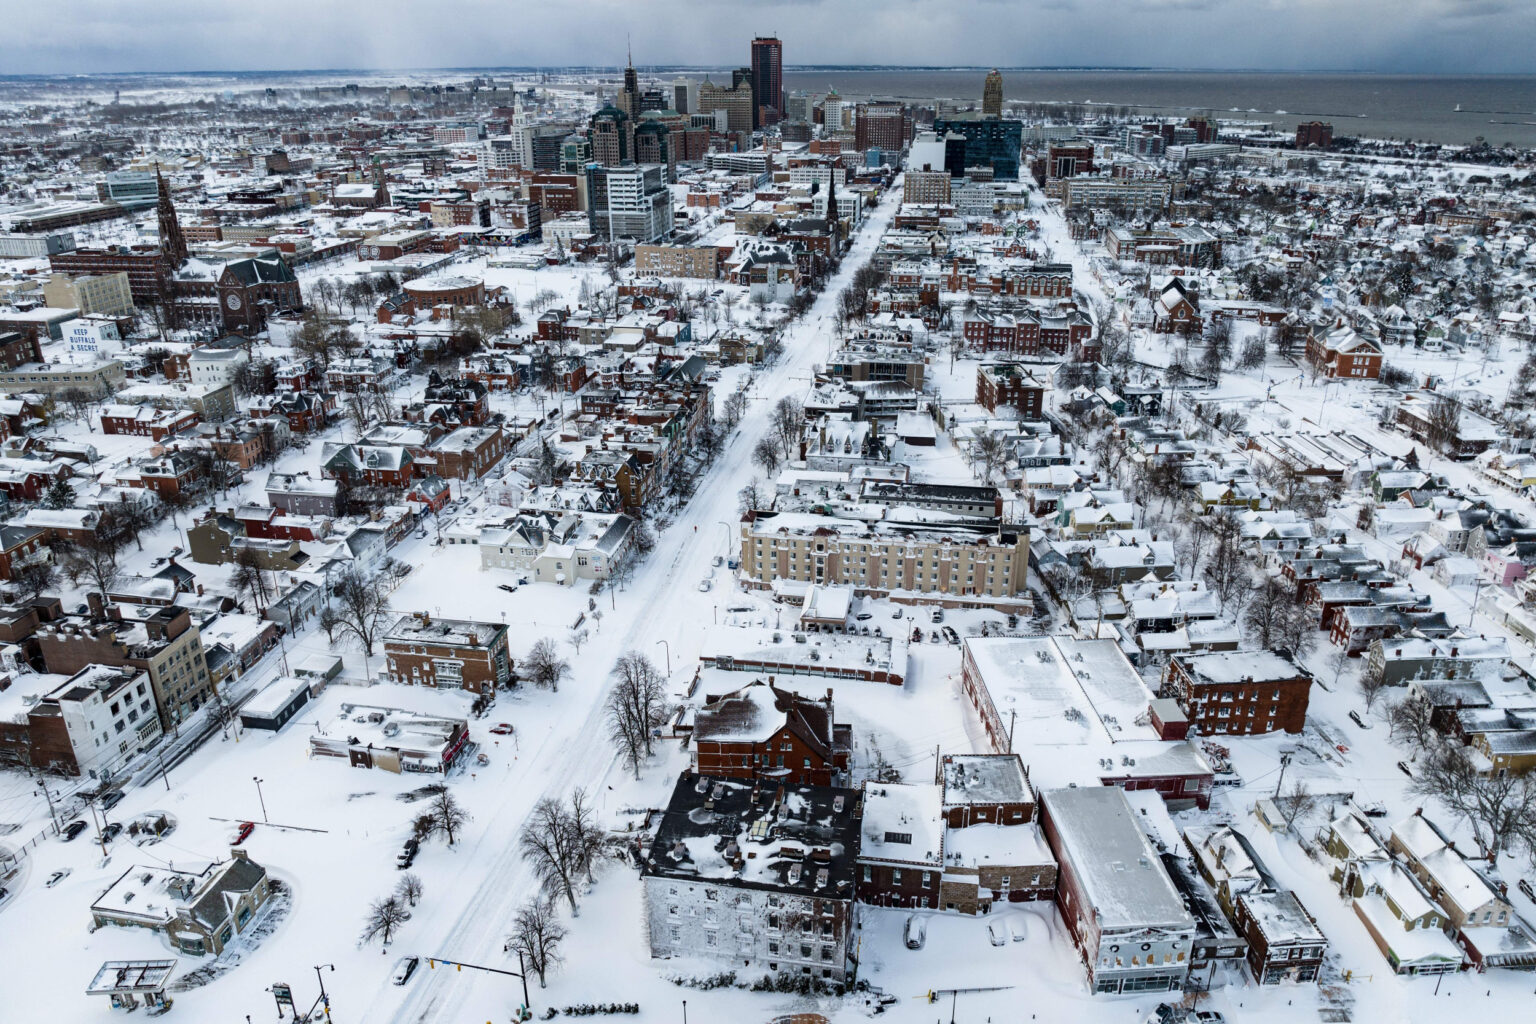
[(1429, 36)]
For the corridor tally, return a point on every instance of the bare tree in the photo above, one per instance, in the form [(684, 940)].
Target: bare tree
[(989, 450), (384, 919), (543, 665), (549, 843), (360, 607), (536, 935), (31, 579), (1295, 803), (636, 707), (1228, 571), (753, 496), (766, 453), (1500, 808), (586, 833), (94, 558), (733, 408), (408, 889), (1372, 684), (1267, 610), (787, 425), (1412, 719), (248, 577), (443, 817), (1443, 430)]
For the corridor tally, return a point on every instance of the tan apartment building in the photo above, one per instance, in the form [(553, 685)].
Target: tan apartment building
[(925, 187), (696, 261), (975, 564), (105, 294)]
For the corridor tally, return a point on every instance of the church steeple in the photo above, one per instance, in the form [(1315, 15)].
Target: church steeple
[(172, 244)]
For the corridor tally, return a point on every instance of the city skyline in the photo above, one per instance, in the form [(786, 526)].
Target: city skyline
[(1408, 36)]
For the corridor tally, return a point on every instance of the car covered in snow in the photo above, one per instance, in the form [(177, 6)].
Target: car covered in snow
[(915, 931), (404, 968)]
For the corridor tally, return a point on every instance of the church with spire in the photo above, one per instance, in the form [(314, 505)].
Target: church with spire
[(173, 245)]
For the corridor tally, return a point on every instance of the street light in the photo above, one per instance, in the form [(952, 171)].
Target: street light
[(323, 997), (668, 648), (263, 800)]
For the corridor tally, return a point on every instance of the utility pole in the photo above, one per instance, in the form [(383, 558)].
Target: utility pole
[(1285, 759), (263, 800), (1013, 716), (52, 812)]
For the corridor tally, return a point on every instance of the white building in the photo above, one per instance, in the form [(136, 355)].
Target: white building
[(213, 367), (108, 714), (558, 548)]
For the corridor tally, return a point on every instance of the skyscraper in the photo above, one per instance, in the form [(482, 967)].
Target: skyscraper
[(767, 81), (992, 95), (629, 97)]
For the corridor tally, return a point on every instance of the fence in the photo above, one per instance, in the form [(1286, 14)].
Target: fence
[(12, 858)]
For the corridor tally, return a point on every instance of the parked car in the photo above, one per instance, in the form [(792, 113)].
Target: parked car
[(242, 832), (1167, 1013), (111, 799), (1355, 716), (1407, 769), (407, 853), (57, 877), (72, 830), (501, 729), (404, 968), (4, 892), (717, 561), (509, 588), (1525, 887), (112, 831), (915, 931), (705, 585), (864, 616), (936, 615), (997, 932)]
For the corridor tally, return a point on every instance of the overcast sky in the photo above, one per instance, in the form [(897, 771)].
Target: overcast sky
[(1432, 36)]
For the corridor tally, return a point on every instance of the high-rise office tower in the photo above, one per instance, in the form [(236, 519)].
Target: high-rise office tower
[(992, 94), (767, 81), (629, 97)]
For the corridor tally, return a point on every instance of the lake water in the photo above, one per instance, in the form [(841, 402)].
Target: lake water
[(1380, 106)]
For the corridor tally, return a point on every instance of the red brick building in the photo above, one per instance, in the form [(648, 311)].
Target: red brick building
[(1343, 353), (448, 652), (1028, 332), (761, 731), (1009, 384), (1240, 692), (145, 421)]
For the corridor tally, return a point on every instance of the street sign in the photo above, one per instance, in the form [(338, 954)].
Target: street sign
[(283, 993)]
